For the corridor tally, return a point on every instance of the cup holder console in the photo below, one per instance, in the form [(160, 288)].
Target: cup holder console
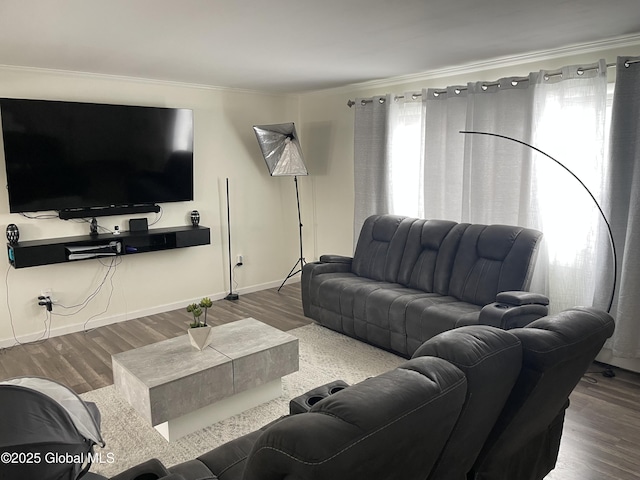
[(311, 401), (304, 402)]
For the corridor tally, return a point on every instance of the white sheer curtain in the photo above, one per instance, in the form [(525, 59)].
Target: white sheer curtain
[(569, 118), (484, 179), (405, 155)]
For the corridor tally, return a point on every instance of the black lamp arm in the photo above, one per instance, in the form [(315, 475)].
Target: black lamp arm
[(613, 244)]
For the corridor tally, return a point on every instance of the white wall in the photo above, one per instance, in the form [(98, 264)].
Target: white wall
[(264, 222)]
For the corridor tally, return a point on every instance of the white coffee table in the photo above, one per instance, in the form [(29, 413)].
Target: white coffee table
[(179, 389)]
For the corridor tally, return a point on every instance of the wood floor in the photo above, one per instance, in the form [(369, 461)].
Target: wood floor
[(601, 439), (82, 360)]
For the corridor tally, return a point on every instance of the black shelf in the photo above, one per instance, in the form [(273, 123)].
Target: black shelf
[(58, 250)]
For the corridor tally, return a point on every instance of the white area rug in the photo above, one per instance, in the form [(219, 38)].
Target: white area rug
[(324, 356)]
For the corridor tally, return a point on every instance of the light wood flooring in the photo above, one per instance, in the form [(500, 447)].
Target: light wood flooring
[(601, 439)]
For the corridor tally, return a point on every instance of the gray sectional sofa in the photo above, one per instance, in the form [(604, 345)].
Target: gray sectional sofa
[(475, 403), (411, 279)]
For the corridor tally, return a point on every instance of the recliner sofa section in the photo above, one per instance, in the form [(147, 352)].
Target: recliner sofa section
[(411, 279), (474, 403)]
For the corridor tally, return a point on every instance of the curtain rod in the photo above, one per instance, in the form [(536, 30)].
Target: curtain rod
[(515, 81)]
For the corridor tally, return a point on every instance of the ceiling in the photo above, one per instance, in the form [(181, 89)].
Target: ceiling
[(289, 46)]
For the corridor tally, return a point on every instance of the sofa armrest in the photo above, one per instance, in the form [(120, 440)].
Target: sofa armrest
[(517, 297), (335, 259), (310, 270), (514, 309), (304, 402)]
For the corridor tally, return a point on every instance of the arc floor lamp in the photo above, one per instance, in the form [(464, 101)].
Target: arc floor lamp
[(593, 198), (283, 155)]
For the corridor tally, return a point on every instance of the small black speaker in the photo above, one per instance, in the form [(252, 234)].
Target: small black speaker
[(138, 225), (13, 234), (195, 218)]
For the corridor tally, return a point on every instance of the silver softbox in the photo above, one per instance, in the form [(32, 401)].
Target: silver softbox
[(281, 149)]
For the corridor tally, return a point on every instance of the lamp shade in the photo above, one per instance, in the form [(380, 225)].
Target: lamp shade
[(281, 149)]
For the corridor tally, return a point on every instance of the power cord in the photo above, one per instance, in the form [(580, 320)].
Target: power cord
[(158, 216), (114, 263), (89, 220), (111, 269), (607, 373), (235, 283), (47, 321), (40, 216), (47, 302)]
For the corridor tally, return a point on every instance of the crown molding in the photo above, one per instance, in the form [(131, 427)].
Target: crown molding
[(124, 78), (493, 63)]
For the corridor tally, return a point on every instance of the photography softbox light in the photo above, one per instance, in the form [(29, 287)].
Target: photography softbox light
[(281, 149), (283, 155)]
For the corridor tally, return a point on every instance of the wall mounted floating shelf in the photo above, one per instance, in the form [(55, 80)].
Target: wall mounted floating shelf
[(70, 249)]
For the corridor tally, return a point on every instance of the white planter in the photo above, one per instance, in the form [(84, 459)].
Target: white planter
[(200, 337)]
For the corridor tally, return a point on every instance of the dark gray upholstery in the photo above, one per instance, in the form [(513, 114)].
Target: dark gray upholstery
[(557, 350), (476, 403), (490, 359), (411, 279), (347, 435)]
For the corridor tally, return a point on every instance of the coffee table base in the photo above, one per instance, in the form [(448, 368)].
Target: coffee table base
[(218, 411)]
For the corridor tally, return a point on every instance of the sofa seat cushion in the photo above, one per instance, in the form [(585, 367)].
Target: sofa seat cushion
[(427, 317), (339, 292), (335, 295), (380, 316), (327, 289)]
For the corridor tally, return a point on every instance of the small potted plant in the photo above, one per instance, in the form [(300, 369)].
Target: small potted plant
[(200, 334), (205, 304)]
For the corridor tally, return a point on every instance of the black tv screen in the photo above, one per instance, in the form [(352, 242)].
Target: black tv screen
[(70, 155)]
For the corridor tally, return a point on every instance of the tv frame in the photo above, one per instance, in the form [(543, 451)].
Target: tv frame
[(107, 208)]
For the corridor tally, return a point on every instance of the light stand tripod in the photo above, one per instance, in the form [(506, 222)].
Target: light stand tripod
[(283, 155), (301, 261)]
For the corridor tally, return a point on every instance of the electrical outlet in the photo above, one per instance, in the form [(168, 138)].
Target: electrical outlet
[(46, 292), (239, 260)]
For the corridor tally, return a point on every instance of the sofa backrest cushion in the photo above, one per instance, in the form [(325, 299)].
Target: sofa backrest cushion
[(390, 426), (490, 358), (380, 247), (557, 350), (429, 253), (492, 259)]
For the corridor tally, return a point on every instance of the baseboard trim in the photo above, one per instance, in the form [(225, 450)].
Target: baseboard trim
[(110, 320), (606, 356)]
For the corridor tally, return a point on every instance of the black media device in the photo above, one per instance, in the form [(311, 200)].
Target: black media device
[(138, 225), (88, 159)]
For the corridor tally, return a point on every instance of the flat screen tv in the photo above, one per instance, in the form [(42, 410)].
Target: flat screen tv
[(71, 156)]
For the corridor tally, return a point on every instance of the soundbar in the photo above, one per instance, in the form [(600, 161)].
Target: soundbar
[(107, 211)]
